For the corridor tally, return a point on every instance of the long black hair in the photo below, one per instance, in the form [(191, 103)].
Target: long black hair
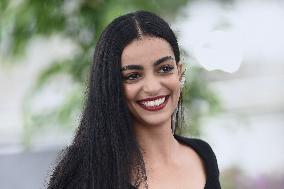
[(104, 153)]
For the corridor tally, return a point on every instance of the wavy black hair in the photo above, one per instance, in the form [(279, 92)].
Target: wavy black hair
[(104, 153)]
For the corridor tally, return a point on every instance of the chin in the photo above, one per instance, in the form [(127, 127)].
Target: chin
[(154, 120)]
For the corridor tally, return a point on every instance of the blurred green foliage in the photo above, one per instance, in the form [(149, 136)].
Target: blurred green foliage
[(82, 21), (198, 99)]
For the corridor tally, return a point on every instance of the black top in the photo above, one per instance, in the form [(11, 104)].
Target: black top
[(206, 153)]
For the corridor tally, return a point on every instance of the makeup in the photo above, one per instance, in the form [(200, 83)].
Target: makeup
[(154, 104)]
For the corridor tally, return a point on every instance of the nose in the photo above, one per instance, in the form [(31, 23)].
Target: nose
[(151, 85)]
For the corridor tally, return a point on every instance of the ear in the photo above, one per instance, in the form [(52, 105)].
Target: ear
[(180, 68)]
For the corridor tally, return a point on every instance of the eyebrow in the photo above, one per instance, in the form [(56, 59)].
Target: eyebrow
[(139, 67)]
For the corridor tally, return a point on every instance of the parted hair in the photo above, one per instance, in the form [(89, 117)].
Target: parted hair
[(104, 153)]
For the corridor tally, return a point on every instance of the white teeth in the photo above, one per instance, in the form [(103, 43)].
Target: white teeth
[(156, 102)]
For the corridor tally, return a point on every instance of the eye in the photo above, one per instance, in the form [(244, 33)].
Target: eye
[(166, 69), (131, 77)]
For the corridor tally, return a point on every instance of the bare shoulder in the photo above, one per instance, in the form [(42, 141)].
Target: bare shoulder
[(193, 167), (204, 151), (190, 156), (201, 147)]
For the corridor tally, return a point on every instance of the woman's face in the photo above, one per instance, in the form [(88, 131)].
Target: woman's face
[(150, 80)]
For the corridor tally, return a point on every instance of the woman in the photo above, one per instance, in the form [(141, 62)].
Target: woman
[(126, 136)]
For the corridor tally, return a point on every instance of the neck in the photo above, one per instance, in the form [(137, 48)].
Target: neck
[(157, 143)]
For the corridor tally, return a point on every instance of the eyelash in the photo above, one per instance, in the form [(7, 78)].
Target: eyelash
[(168, 70), (128, 77), (168, 67)]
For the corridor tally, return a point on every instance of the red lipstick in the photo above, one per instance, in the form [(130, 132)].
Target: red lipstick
[(153, 108)]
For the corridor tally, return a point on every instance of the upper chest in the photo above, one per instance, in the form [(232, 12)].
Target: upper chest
[(189, 173)]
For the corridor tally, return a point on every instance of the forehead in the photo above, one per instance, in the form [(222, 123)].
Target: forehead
[(145, 50)]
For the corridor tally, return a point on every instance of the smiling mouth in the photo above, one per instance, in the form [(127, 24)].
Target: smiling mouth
[(154, 104)]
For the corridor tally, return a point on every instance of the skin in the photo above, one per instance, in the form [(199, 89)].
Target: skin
[(165, 169)]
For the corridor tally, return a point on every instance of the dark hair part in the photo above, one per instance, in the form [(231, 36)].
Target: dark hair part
[(104, 153)]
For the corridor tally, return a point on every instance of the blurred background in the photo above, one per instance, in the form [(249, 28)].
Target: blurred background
[(233, 51)]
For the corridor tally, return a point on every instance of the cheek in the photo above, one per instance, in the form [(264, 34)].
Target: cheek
[(130, 92), (174, 84)]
